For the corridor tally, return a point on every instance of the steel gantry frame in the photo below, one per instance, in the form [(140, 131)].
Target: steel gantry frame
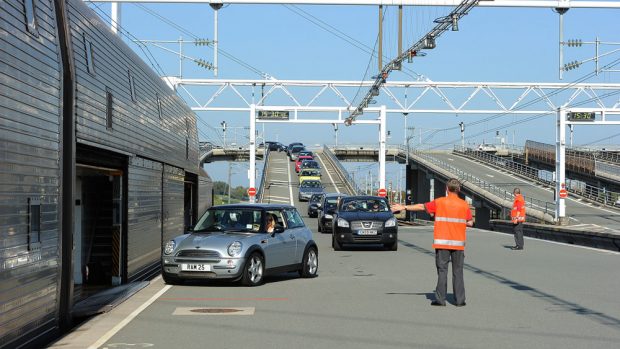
[(402, 96), (543, 93), (560, 148)]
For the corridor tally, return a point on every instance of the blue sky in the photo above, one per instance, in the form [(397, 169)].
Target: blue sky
[(493, 44)]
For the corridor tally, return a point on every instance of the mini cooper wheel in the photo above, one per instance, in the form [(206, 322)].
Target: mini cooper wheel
[(253, 270), (310, 263)]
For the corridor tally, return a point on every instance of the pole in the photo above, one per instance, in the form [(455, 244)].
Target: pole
[(400, 30), (380, 38), (571, 134), (560, 167), (561, 11), (382, 135), (252, 171), (229, 173), (216, 43), (115, 17)]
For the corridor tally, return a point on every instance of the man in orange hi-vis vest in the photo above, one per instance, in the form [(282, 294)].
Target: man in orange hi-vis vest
[(452, 216), (517, 215)]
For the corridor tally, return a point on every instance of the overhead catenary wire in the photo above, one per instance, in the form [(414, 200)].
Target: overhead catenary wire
[(155, 64), (194, 36), (537, 100)]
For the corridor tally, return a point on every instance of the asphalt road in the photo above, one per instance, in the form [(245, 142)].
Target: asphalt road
[(547, 296), (579, 212)]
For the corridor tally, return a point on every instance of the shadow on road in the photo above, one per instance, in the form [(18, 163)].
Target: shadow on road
[(556, 302)]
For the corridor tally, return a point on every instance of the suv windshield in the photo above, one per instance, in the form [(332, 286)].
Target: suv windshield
[(364, 205), (229, 219)]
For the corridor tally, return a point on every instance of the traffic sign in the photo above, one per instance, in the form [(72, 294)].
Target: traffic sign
[(252, 191), (382, 192), (563, 193)]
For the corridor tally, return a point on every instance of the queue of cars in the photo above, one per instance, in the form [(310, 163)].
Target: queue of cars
[(246, 242)]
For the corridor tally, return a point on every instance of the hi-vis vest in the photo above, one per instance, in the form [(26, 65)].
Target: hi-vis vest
[(517, 214), (450, 223)]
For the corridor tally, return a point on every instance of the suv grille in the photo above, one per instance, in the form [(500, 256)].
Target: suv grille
[(366, 225)]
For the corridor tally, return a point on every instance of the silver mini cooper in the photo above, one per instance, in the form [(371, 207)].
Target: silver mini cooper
[(231, 242)]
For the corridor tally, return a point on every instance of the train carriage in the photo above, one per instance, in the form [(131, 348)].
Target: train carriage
[(99, 166)]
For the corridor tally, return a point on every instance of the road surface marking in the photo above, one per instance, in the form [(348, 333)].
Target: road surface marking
[(128, 319), (290, 187), (328, 174)]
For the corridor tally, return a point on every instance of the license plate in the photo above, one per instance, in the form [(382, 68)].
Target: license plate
[(366, 232), (195, 267)]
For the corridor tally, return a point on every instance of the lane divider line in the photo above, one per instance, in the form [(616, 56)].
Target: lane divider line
[(328, 174), (101, 341), (290, 187)]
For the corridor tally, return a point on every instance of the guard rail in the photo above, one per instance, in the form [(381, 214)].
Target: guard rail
[(546, 209), (578, 188), (348, 179)]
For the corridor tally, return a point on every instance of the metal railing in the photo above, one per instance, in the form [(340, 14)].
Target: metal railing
[(579, 188), (545, 207), (348, 179), (261, 185)]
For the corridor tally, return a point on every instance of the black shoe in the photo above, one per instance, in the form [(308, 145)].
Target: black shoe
[(516, 248), (438, 304), (460, 304)]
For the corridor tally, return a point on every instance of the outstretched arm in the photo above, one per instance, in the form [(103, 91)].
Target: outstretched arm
[(414, 207)]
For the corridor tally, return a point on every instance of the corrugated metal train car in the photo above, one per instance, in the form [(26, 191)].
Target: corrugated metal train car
[(99, 165)]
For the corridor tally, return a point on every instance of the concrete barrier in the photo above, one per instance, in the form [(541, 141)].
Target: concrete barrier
[(576, 236)]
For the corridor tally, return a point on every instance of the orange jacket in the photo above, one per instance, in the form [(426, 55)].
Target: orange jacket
[(451, 216), (517, 214)]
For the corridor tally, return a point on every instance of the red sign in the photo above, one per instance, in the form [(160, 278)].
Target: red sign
[(382, 192), (563, 193), (252, 191)]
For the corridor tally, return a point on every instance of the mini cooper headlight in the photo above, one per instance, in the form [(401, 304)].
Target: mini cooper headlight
[(234, 249), (390, 222), (343, 223), (169, 247)]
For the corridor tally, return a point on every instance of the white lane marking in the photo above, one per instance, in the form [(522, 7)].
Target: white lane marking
[(285, 198), (328, 174), (128, 319), (290, 187), (560, 243), (488, 175)]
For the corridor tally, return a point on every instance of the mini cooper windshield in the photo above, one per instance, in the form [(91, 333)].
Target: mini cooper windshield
[(233, 219)]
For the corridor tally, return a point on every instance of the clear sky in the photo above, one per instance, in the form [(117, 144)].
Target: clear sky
[(492, 44)]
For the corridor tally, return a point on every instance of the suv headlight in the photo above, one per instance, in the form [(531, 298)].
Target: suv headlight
[(390, 222), (343, 223), (234, 249), (169, 247), (328, 216)]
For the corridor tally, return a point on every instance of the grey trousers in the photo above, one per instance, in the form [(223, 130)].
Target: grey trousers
[(442, 258), (518, 231)]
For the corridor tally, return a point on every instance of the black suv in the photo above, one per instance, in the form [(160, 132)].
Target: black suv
[(364, 220), (326, 211)]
